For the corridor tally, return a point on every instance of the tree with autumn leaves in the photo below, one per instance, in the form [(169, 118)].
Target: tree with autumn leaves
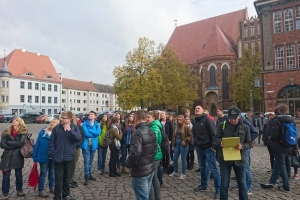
[(156, 75), (247, 68)]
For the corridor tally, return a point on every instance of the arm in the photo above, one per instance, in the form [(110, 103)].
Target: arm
[(116, 134), (135, 150), (219, 136), (212, 132), (275, 130), (52, 141), (95, 132), (189, 137), (253, 131), (19, 143), (75, 133), (37, 146), (247, 141), (4, 145)]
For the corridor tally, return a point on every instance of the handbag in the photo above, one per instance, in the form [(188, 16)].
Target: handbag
[(33, 179), (295, 161)]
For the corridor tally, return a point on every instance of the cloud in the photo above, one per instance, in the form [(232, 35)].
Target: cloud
[(86, 39)]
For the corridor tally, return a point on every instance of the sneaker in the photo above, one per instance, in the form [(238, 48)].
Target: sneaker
[(182, 176), (249, 192), (100, 172), (171, 163), (267, 186), (5, 197), (236, 188), (92, 178), (233, 178), (283, 188), (174, 174), (43, 194), (217, 195), (20, 193), (198, 170), (69, 198), (270, 170), (296, 176), (200, 188)]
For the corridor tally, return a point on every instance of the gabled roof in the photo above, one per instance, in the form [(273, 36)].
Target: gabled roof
[(78, 85), (20, 62), (217, 45), (188, 40), (104, 88)]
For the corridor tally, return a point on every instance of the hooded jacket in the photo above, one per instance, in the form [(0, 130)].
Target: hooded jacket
[(156, 127), (91, 132), (12, 157), (277, 133), (40, 150)]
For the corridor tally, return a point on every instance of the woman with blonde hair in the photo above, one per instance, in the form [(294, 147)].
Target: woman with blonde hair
[(40, 155), (12, 140), (180, 144)]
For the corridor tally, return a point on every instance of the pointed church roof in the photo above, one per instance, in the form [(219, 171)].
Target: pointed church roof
[(188, 40), (217, 44), (4, 71)]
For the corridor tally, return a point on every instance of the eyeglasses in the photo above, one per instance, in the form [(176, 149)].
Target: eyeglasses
[(64, 118)]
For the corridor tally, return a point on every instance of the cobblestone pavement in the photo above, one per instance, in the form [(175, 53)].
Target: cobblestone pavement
[(173, 188)]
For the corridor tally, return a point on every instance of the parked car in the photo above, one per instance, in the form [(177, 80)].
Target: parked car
[(1, 118), (8, 118), (30, 117), (41, 119), (49, 118)]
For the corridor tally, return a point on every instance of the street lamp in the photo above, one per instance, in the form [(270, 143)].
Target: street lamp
[(106, 102), (149, 102), (251, 98)]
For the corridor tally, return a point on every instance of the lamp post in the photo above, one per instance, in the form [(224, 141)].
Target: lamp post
[(258, 84), (251, 98), (149, 102), (106, 102)]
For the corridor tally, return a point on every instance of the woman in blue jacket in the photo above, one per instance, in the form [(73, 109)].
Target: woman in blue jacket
[(40, 155)]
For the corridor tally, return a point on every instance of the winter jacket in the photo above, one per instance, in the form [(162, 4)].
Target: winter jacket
[(115, 133), (142, 151), (169, 129), (12, 157), (62, 143), (156, 127), (221, 120), (126, 138), (265, 132), (103, 134), (253, 131), (242, 131), (276, 131), (40, 151), (91, 132), (204, 132), (260, 123), (78, 144), (186, 136)]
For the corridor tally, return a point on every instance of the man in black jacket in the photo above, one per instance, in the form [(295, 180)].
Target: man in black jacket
[(167, 124), (280, 150), (204, 133), (141, 156)]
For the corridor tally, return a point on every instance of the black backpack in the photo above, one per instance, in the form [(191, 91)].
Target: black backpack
[(165, 145), (107, 139)]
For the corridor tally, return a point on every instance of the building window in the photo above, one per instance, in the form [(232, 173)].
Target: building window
[(2, 84), (55, 111), (22, 98), (253, 47), (212, 76), (102, 102), (102, 95), (22, 85), (298, 18), (90, 94), (36, 99), (36, 86), (84, 101), (97, 95), (246, 45), (252, 30), (290, 56), (84, 94), (78, 101), (70, 92), (29, 99), (105, 96), (299, 55), (7, 83), (97, 102), (55, 100), (55, 88), (288, 19), (63, 92), (78, 109), (84, 109), (43, 86), (279, 57), (277, 21), (74, 93), (258, 30), (2, 98), (49, 87), (49, 99), (78, 93), (245, 31), (29, 85), (49, 111), (7, 98), (43, 99), (63, 101), (90, 101)]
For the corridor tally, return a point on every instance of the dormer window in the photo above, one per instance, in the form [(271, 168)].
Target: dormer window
[(49, 77), (29, 74)]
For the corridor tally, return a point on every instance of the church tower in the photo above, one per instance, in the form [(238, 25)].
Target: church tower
[(5, 75)]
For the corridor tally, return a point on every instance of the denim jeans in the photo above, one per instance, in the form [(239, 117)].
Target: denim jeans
[(160, 174), (6, 180), (44, 169), (183, 151), (240, 172), (280, 169), (155, 188), (248, 171), (62, 180), (141, 186), (208, 166), (102, 151), (124, 149), (88, 157)]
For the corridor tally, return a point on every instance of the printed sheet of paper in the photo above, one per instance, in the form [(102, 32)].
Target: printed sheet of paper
[(229, 151)]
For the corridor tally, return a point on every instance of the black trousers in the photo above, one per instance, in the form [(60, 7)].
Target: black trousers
[(271, 156), (166, 158), (62, 179), (113, 156), (190, 158)]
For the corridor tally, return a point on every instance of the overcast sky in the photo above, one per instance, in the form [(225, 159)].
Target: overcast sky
[(87, 39)]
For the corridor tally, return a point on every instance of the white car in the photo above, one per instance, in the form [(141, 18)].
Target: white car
[(50, 117)]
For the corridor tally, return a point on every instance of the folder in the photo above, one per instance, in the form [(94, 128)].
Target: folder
[(230, 153)]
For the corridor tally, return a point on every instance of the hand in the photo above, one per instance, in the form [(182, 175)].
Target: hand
[(239, 146), (221, 145), (172, 148), (169, 142), (67, 127), (182, 143), (212, 149)]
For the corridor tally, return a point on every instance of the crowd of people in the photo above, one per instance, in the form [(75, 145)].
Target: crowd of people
[(135, 144)]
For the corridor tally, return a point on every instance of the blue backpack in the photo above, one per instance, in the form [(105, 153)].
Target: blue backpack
[(290, 134)]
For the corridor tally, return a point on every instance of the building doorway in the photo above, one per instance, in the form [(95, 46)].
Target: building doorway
[(213, 110), (290, 95)]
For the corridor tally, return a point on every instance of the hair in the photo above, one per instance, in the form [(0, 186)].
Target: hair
[(181, 126), (269, 115), (276, 111), (283, 109), (74, 119), (132, 123), (21, 123), (220, 109), (141, 115), (55, 120), (69, 114), (112, 121), (93, 112), (186, 110), (206, 111), (102, 123)]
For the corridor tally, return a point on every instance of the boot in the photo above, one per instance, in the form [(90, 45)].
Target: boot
[(119, 169), (86, 178), (124, 171), (92, 178)]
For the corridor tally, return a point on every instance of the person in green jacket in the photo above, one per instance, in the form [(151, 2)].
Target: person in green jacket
[(102, 150), (156, 126)]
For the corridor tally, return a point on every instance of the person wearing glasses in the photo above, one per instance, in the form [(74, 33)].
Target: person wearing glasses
[(62, 147)]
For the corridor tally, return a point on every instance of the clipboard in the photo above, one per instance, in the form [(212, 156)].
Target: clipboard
[(229, 151)]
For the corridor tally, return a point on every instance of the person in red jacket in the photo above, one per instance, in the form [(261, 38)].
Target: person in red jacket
[(209, 116)]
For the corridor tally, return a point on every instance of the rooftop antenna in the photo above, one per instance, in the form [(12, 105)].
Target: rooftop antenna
[(175, 20)]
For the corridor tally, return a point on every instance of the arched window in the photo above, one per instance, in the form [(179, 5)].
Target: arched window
[(212, 76), (225, 92)]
